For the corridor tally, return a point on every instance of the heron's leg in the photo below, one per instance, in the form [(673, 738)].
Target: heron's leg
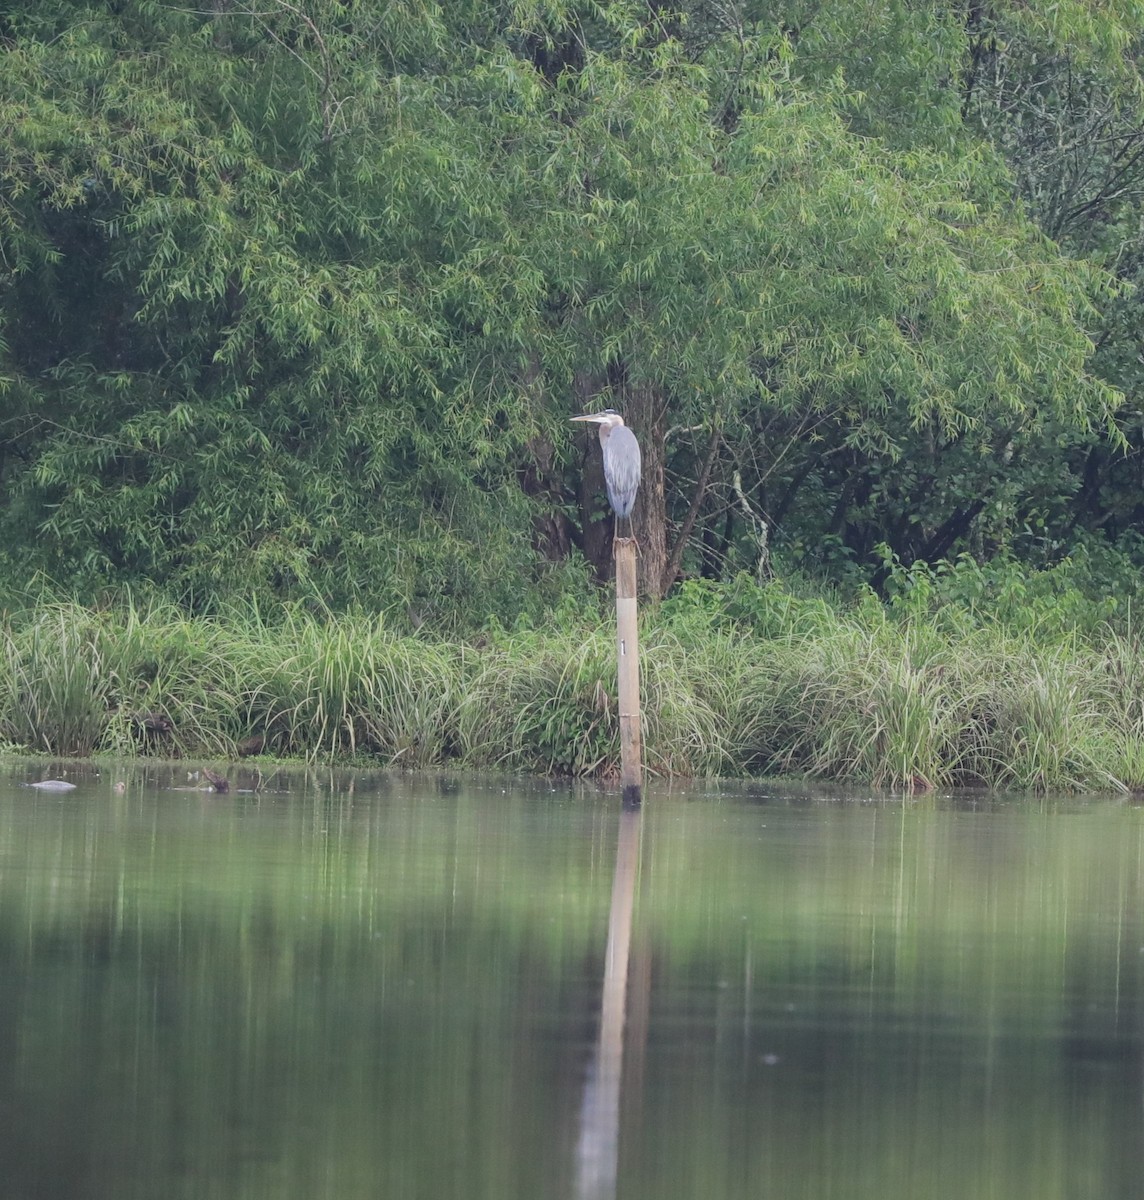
[(617, 537)]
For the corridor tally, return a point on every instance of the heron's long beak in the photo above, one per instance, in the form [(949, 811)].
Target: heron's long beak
[(588, 417)]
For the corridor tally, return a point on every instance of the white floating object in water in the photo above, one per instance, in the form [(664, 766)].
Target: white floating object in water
[(53, 785)]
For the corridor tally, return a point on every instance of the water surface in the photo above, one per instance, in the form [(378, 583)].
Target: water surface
[(354, 985)]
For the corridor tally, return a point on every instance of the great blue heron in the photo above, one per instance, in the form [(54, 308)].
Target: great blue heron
[(621, 461)]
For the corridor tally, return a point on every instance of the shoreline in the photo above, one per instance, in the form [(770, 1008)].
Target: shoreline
[(854, 697)]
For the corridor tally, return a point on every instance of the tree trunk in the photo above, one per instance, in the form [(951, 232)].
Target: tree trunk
[(552, 532)]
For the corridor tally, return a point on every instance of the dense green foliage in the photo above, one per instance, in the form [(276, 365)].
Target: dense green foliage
[(296, 298)]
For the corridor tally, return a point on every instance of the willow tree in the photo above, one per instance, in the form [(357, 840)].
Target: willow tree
[(1021, 113), (259, 272), (745, 257), (298, 296)]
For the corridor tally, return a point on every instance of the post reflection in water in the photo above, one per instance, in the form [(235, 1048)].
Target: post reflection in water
[(598, 1149)]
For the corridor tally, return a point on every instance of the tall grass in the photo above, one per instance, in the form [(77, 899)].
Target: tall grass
[(319, 689), (907, 709), (873, 705), (55, 682), (546, 702), (73, 681), (894, 697)]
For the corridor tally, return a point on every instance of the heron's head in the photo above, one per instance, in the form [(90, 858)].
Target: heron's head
[(608, 418)]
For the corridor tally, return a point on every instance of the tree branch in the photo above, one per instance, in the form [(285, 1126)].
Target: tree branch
[(676, 556)]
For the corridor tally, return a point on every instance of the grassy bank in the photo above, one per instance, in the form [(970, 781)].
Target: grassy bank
[(910, 695)]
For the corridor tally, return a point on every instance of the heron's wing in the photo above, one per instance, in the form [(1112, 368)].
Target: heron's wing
[(622, 462)]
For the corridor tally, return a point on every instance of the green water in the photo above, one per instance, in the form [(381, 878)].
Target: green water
[(351, 985)]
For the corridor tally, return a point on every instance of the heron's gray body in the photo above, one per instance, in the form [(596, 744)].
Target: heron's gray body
[(621, 467), (622, 460)]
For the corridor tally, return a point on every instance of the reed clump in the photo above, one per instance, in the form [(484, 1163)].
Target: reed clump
[(151, 680), (907, 709), (319, 688), (736, 681), (859, 703), (56, 682), (545, 702)]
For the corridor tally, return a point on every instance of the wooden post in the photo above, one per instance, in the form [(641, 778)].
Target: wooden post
[(628, 663)]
